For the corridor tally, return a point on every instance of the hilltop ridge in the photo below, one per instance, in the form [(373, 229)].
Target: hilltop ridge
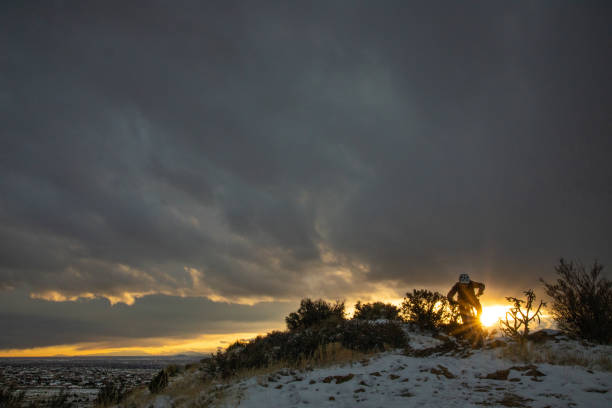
[(433, 370)]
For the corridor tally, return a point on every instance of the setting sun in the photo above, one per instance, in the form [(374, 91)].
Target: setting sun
[(491, 314)]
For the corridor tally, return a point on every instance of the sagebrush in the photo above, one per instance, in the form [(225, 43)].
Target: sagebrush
[(110, 394), (299, 345), (159, 382), (315, 312), (375, 311), (312, 328), (427, 309), (582, 301)]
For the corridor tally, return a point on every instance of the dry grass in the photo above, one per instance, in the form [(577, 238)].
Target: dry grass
[(529, 352), (191, 389), (189, 385), (331, 354)]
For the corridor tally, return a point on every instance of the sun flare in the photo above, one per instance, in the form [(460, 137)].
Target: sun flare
[(491, 314)]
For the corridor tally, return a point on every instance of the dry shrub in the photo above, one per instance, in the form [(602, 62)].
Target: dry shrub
[(313, 327), (517, 319), (191, 390), (529, 352), (173, 369), (376, 311), (366, 336), (159, 382), (582, 301), (299, 345), (518, 351), (428, 310), (110, 394), (314, 313)]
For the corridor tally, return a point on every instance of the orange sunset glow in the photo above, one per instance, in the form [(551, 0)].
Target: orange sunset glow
[(489, 318), (157, 346), (491, 314)]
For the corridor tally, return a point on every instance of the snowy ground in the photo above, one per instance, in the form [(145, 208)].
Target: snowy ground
[(456, 379)]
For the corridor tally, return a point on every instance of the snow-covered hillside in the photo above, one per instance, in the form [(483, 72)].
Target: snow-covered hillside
[(432, 373)]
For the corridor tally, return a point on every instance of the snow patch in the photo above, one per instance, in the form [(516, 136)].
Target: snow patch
[(393, 379)]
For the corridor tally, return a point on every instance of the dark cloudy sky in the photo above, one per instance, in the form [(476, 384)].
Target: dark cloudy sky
[(204, 165)]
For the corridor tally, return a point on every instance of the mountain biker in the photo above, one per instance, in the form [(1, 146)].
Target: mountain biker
[(467, 299)]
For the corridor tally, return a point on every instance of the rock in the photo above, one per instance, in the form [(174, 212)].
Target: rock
[(598, 390), (524, 368), (441, 370), (339, 378), (342, 379), (498, 375), (406, 393), (535, 373)]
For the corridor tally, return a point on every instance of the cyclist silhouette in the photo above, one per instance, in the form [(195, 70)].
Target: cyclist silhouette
[(467, 299)]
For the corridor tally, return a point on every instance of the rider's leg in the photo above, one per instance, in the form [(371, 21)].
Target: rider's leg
[(466, 315), (471, 326), (478, 307)]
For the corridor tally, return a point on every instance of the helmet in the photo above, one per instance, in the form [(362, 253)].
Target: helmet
[(464, 278)]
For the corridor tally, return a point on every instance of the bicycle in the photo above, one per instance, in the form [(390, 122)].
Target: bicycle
[(471, 328)]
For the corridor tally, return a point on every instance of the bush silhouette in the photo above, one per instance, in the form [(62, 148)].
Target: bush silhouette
[(110, 394), (375, 311), (315, 327), (159, 382), (582, 301), (300, 345), (427, 309), (365, 336), (317, 312), (517, 319), (172, 370)]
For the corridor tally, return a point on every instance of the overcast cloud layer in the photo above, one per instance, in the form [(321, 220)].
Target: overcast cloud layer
[(246, 152)]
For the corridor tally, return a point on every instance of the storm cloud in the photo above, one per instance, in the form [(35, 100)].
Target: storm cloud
[(36, 323), (249, 152)]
